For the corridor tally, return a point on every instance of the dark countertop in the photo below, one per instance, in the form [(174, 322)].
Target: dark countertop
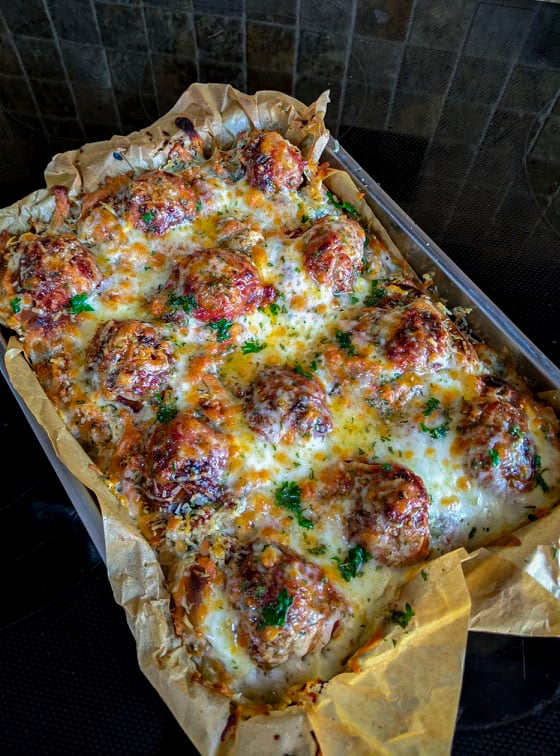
[(452, 106)]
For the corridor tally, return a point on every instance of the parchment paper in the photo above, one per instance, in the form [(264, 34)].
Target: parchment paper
[(401, 692)]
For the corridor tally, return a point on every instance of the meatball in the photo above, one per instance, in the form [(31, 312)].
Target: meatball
[(157, 200), (412, 333), (129, 361), (54, 269), (493, 437), (389, 515), (222, 284), (184, 462), (282, 403), (272, 163), (286, 606), (333, 252)]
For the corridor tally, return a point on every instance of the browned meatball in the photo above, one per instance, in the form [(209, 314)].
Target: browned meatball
[(410, 331), (282, 403), (389, 516), (333, 252), (157, 200), (54, 269), (184, 462), (220, 283), (493, 438), (272, 163), (286, 606), (129, 361)]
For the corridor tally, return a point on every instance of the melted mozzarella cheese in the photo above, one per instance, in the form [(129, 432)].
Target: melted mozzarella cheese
[(296, 331)]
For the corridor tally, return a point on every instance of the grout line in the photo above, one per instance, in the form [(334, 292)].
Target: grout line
[(244, 44), (484, 133), (404, 43), (27, 80), (66, 75), (113, 89), (297, 32), (349, 40), (460, 51), (196, 47), (150, 63)]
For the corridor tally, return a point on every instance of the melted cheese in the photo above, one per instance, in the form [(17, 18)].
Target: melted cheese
[(299, 330)]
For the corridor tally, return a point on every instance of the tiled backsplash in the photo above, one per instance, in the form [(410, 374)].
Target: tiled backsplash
[(474, 84)]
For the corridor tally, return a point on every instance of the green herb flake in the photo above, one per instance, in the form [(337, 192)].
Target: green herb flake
[(375, 296), (304, 218), (275, 613), (288, 495), (440, 431), (424, 575), (148, 217), (252, 347), (318, 550), (494, 457), (166, 413), (431, 405), (539, 480), (515, 431), (274, 308), (15, 304), (554, 552), (386, 466), (344, 340), (402, 618), (345, 206), (298, 369), (198, 206), (354, 299), (79, 303), (187, 303), (351, 568), (221, 327)]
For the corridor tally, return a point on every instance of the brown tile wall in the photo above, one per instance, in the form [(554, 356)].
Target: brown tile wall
[(474, 84)]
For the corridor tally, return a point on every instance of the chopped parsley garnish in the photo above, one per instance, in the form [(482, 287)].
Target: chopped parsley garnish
[(539, 480), (167, 411), (431, 405), (288, 495), (344, 340), (318, 550), (148, 217), (198, 206), (221, 327), (440, 431), (15, 305), (298, 369), (304, 218), (424, 574), (79, 303), (402, 618), (515, 431), (494, 457), (275, 613), (187, 303), (351, 568), (377, 293), (345, 206), (251, 347), (274, 308), (386, 466)]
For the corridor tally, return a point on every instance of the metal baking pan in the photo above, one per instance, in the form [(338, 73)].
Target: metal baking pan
[(424, 256)]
